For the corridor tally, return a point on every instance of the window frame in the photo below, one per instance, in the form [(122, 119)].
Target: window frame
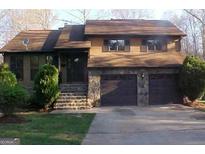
[(107, 48), (145, 45), (19, 67), (33, 68)]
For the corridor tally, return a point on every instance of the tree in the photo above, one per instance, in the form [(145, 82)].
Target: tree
[(46, 86), (192, 43), (14, 21), (11, 94), (200, 16), (131, 13), (191, 78), (79, 16)]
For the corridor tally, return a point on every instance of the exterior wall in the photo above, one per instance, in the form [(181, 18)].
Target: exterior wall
[(27, 82), (142, 76), (135, 43)]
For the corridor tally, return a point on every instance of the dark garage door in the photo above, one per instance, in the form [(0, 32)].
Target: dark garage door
[(163, 89), (118, 90)]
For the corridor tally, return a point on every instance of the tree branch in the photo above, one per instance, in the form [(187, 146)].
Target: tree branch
[(195, 16)]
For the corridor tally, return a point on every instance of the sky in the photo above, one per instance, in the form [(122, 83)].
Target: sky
[(158, 14)]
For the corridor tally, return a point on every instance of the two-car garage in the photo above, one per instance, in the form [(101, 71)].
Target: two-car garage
[(121, 90)]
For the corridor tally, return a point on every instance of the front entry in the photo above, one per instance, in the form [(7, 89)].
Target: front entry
[(74, 68)]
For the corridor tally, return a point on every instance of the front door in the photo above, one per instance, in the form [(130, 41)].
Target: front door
[(76, 68)]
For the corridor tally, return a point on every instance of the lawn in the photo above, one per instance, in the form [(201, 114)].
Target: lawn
[(45, 129)]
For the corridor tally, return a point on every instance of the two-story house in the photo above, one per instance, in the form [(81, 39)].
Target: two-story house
[(104, 62)]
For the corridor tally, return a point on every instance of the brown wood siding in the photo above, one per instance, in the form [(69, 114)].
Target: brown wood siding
[(118, 90), (163, 89)]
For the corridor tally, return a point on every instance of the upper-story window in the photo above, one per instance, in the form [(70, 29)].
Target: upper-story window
[(153, 45), (116, 45), (16, 66)]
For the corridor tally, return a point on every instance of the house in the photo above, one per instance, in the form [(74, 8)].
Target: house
[(104, 62)]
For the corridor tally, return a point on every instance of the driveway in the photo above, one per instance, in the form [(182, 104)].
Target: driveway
[(170, 124)]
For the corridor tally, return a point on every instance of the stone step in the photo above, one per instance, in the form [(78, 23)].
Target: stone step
[(73, 91), (71, 104), (73, 85), (73, 94), (73, 107), (70, 101), (73, 97)]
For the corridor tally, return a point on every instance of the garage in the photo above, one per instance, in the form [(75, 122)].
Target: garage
[(118, 90), (163, 89)]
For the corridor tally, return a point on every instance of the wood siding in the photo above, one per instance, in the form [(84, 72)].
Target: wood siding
[(135, 45)]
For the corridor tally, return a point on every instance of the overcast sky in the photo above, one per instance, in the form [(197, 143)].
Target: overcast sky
[(158, 14)]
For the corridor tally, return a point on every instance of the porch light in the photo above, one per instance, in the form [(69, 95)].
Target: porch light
[(76, 59)]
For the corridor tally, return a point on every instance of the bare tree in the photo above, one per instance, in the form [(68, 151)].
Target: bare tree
[(132, 13), (14, 21), (192, 42), (200, 16), (79, 16)]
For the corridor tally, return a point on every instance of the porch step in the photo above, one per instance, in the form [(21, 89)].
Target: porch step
[(73, 87), (72, 96)]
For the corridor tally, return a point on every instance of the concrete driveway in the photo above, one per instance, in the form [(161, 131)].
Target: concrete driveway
[(170, 124)]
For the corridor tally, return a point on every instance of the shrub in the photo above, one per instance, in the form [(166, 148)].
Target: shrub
[(6, 76), (12, 97), (192, 77), (46, 86)]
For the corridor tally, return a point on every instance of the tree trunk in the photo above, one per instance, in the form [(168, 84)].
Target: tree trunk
[(203, 40)]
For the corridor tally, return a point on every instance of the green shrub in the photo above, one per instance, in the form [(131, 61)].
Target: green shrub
[(46, 86), (12, 97), (192, 77), (6, 76)]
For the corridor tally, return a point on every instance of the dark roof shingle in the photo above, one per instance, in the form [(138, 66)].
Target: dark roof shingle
[(37, 40), (131, 27)]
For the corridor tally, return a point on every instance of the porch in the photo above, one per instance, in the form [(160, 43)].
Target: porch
[(72, 67)]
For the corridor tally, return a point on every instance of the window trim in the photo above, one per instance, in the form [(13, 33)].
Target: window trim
[(145, 47), (15, 69), (106, 48)]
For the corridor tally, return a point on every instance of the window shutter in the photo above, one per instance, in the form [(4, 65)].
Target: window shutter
[(178, 45), (127, 45), (143, 47), (164, 45), (105, 45)]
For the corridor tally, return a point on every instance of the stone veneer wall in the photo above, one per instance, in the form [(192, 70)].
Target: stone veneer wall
[(142, 76)]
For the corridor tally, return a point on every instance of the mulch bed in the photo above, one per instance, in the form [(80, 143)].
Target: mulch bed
[(12, 119), (195, 104)]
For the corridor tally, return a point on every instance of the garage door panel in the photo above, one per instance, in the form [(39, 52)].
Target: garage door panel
[(163, 89), (117, 90)]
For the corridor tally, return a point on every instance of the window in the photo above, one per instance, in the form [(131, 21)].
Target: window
[(153, 45), (49, 60), (116, 45), (178, 45), (34, 64), (16, 65)]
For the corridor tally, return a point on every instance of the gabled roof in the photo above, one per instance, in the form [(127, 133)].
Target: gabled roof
[(131, 27), (72, 36), (39, 40), (150, 59)]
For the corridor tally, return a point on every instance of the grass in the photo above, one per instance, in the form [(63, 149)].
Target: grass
[(46, 129)]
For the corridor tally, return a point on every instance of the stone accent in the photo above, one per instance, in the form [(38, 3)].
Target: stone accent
[(142, 89), (94, 89)]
